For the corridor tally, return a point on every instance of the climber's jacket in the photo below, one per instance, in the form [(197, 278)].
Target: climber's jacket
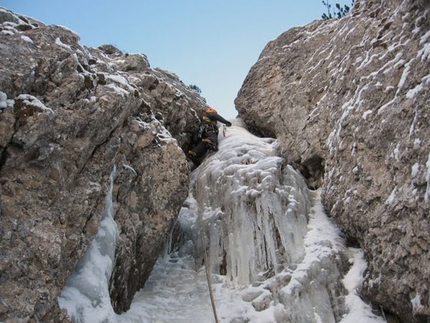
[(206, 138), (209, 125)]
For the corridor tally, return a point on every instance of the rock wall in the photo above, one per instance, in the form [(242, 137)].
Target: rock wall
[(68, 114), (349, 101)]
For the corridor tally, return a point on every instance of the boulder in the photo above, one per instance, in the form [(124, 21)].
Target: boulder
[(68, 115), (348, 100)]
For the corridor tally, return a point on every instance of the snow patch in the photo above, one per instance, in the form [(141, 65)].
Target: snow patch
[(396, 153), (30, 100), (61, 44), (358, 310), (118, 89), (27, 39), (3, 100), (390, 200), (415, 169), (126, 166), (416, 304), (427, 196), (413, 92), (118, 79), (424, 53), (86, 294), (366, 113)]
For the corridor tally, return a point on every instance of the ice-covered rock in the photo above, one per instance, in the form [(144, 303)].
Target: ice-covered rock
[(273, 254), (68, 114), (348, 101)]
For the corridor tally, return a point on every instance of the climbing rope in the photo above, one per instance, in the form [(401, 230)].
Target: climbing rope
[(207, 265), (208, 274)]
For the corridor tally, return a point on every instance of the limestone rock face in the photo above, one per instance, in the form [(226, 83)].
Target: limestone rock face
[(349, 101), (68, 114)]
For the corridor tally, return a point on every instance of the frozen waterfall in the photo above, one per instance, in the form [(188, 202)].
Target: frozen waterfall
[(273, 254), (86, 295)]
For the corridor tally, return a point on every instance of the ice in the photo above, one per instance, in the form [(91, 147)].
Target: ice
[(248, 207), (272, 254), (86, 295)]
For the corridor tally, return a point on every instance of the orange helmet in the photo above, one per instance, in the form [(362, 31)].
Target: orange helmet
[(211, 110)]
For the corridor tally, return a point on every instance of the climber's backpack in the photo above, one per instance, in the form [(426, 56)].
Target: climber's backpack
[(207, 126)]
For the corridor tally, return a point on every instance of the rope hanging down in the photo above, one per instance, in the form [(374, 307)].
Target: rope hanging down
[(208, 275), (207, 266)]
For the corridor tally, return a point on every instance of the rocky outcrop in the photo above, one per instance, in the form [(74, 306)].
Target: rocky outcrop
[(348, 100), (68, 114)]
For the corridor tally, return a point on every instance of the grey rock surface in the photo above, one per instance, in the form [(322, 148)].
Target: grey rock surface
[(68, 114), (349, 101)]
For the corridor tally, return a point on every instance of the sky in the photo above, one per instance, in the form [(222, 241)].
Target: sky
[(210, 44)]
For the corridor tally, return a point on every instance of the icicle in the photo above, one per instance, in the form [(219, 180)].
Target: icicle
[(86, 294), (256, 215), (274, 254)]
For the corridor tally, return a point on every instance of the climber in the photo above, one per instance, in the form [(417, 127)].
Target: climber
[(206, 138)]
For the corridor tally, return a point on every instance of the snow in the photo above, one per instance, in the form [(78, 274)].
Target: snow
[(61, 44), (279, 251), (120, 84), (412, 92), (366, 113), (3, 100), (120, 80), (427, 196), (358, 310), (68, 29), (425, 37), (27, 39), (157, 129), (392, 197), (118, 90), (396, 153), (416, 304), (425, 52), (86, 295), (126, 166), (30, 100), (415, 169)]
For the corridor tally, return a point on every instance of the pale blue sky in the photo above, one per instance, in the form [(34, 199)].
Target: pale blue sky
[(211, 44)]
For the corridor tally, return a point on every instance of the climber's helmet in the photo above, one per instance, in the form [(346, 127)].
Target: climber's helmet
[(211, 110)]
